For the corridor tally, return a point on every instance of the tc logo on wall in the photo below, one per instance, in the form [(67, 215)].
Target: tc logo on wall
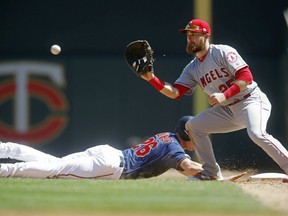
[(33, 106)]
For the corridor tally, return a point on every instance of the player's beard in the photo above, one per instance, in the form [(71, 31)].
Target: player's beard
[(192, 48)]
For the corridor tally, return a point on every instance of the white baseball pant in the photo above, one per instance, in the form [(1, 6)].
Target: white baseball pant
[(99, 162)]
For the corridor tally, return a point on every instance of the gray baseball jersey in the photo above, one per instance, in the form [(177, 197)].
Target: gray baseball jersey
[(249, 109), (216, 73)]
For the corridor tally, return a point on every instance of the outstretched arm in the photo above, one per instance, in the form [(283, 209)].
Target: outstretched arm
[(165, 88), (190, 168)]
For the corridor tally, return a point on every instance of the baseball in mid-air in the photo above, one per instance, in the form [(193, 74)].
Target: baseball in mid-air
[(55, 49)]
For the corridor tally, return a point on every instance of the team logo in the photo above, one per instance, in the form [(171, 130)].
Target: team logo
[(33, 107), (231, 57)]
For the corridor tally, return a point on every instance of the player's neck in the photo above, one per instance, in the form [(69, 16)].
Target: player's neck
[(201, 54)]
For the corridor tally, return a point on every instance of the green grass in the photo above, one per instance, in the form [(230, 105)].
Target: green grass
[(150, 195)]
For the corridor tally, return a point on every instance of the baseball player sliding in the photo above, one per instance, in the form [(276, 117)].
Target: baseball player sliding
[(237, 101), (151, 158), (147, 159)]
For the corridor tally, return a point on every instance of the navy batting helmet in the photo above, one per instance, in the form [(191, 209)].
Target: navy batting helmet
[(180, 127)]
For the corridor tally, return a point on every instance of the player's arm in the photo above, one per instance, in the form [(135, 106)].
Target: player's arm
[(189, 168), (167, 89), (243, 79)]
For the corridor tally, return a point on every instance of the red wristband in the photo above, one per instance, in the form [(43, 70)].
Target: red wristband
[(233, 90), (157, 83)]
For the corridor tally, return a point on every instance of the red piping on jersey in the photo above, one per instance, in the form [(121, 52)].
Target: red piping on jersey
[(82, 177)]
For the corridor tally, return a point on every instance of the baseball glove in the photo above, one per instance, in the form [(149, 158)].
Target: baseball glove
[(139, 57)]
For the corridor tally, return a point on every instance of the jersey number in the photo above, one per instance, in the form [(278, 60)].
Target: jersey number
[(145, 148), (224, 87)]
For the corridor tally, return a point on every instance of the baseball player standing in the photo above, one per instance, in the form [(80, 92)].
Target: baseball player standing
[(237, 101)]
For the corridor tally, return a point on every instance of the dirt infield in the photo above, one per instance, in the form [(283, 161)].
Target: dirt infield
[(273, 193)]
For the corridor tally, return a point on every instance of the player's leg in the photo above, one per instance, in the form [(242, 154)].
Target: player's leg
[(103, 166), (100, 162), (31, 169), (23, 152), (214, 120), (256, 116), (76, 168)]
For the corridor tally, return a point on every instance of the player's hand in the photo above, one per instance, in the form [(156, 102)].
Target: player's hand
[(147, 76), (216, 99)]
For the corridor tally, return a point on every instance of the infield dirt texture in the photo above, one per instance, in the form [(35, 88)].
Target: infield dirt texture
[(168, 194), (271, 193)]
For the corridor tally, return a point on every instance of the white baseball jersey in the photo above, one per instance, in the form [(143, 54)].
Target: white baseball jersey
[(216, 73)]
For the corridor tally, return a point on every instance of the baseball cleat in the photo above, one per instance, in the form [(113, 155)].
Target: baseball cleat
[(201, 177)]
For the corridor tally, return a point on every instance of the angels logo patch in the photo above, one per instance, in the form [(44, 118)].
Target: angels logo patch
[(231, 57)]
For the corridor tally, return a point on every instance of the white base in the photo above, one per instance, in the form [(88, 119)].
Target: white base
[(271, 176)]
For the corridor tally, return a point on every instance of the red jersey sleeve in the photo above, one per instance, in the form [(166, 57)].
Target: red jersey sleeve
[(181, 89), (244, 74)]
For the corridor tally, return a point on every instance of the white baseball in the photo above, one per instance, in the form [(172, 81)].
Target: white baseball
[(55, 49)]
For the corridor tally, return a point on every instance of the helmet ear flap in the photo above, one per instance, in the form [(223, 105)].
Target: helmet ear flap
[(180, 128), (184, 135)]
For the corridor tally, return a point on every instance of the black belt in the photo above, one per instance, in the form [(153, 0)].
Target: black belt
[(240, 99), (121, 161)]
